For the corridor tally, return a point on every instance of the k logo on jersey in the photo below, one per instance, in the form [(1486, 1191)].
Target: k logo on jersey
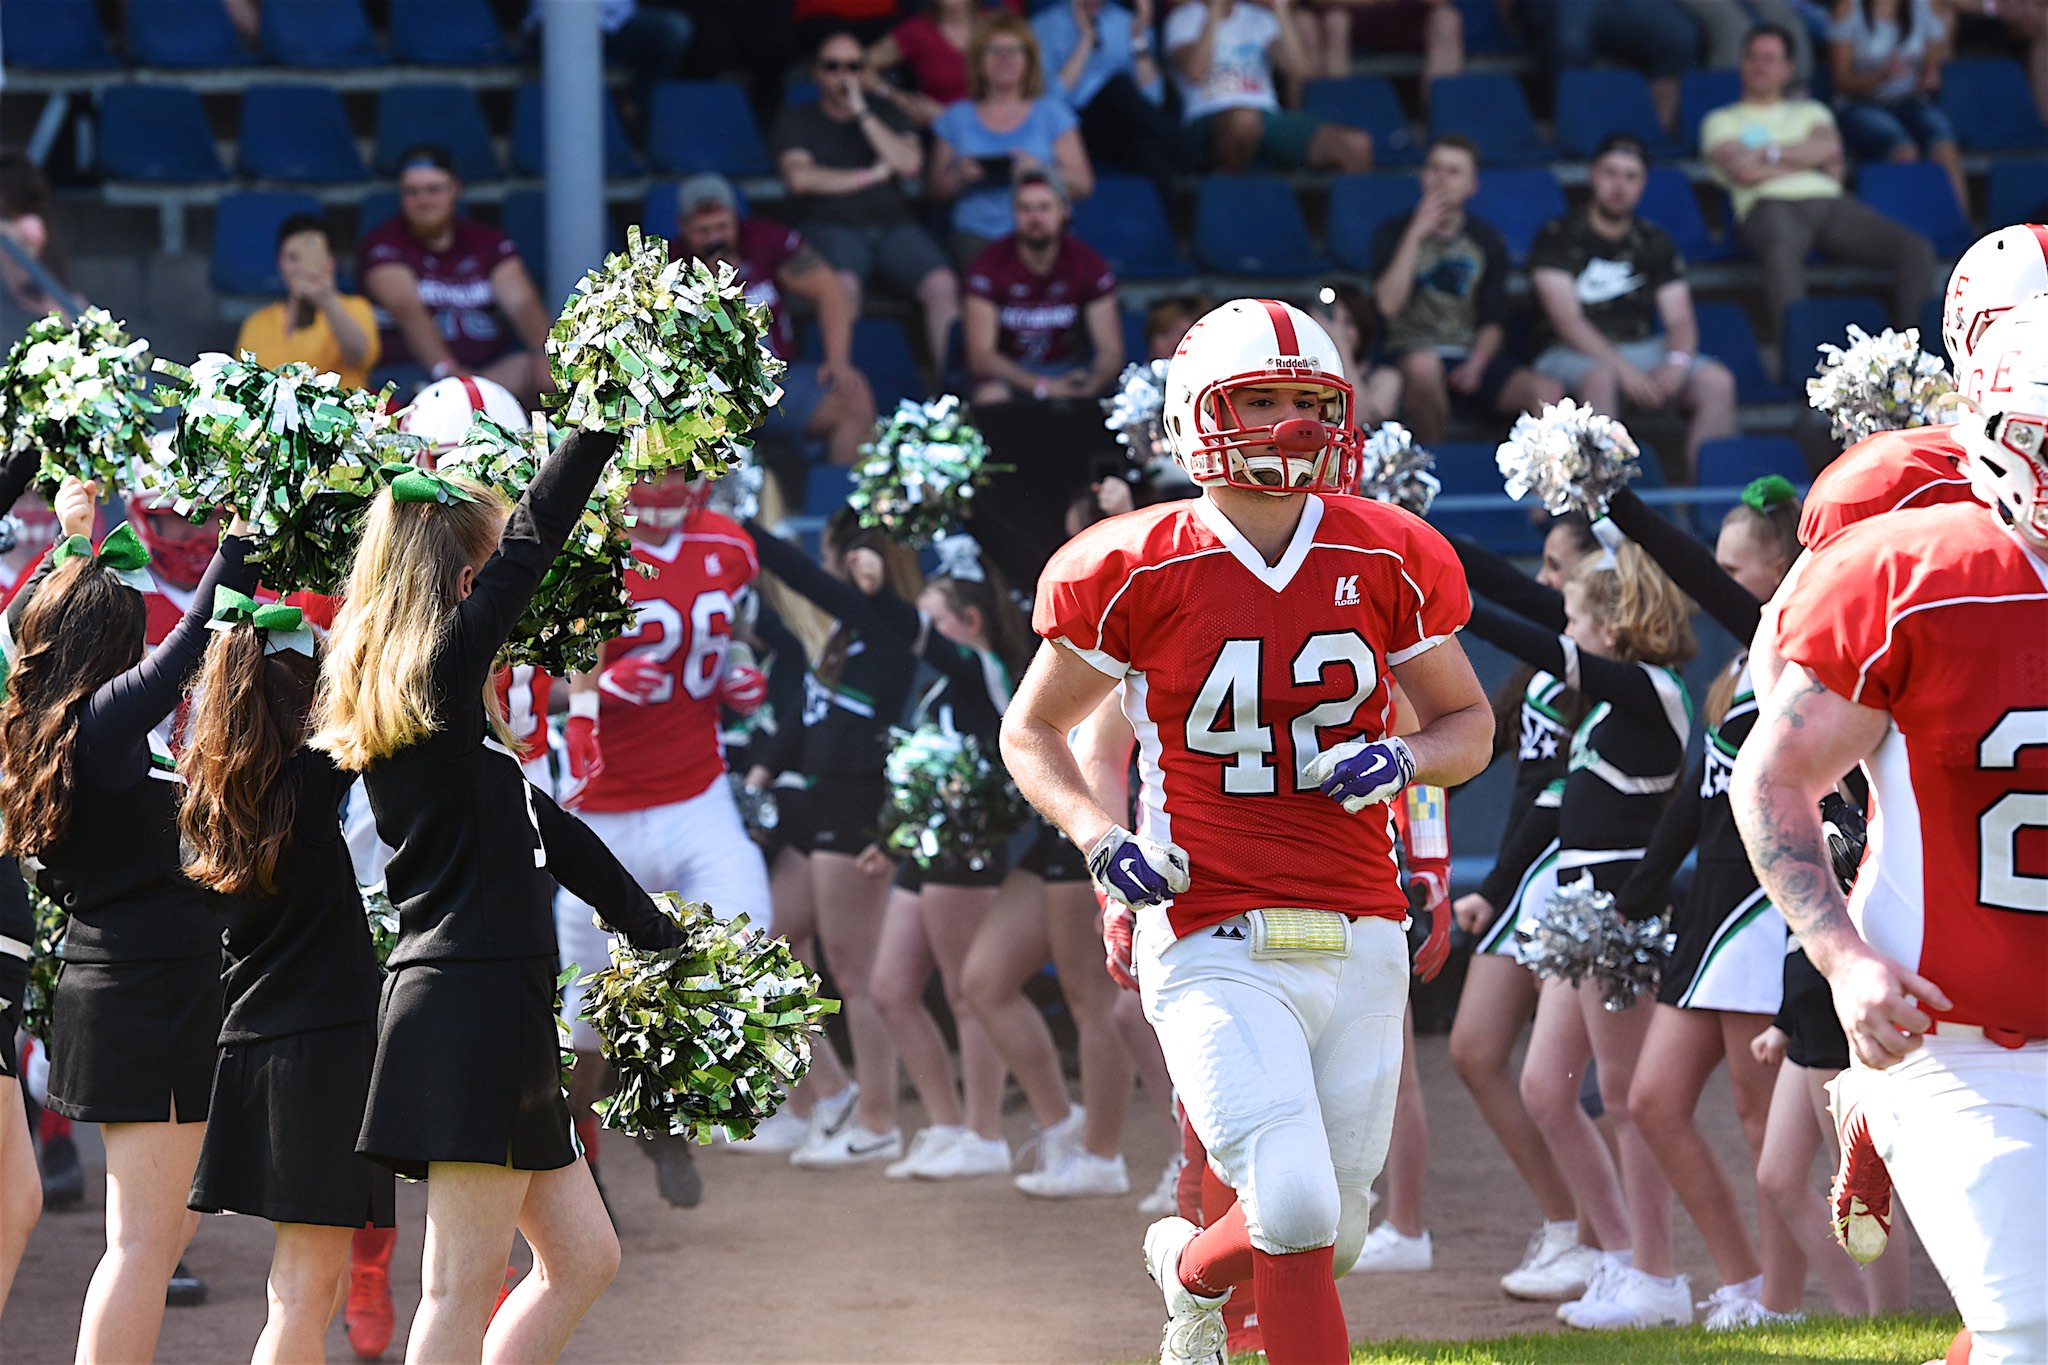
[(1347, 591)]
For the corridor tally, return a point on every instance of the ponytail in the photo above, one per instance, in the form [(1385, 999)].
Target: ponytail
[(251, 714)]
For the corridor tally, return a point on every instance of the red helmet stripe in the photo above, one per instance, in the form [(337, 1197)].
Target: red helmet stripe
[(476, 395), (1283, 327)]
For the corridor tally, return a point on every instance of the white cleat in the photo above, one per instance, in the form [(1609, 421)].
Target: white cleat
[(1082, 1175), (1387, 1249), (1194, 1326)]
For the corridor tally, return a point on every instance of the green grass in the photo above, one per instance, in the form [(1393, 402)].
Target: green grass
[(1906, 1340)]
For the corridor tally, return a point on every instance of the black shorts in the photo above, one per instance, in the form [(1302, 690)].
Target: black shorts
[(128, 1038), (835, 814), (1814, 1032), (948, 870), (1054, 857), (13, 990)]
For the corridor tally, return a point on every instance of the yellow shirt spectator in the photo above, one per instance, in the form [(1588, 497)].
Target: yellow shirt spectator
[(268, 333), (1781, 123)]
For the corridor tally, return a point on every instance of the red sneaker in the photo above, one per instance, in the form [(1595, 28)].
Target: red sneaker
[(1862, 1194), (368, 1316)]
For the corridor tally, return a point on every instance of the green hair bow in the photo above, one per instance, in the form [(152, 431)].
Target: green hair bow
[(1767, 492), (122, 552), (284, 628), (410, 483)]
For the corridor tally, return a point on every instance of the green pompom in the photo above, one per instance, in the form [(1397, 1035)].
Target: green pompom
[(78, 392), (382, 917), (919, 474), (41, 997), (949, 801)]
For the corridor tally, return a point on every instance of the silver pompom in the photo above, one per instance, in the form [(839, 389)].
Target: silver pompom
[(1568, 456), (1879, 383), (738, 494), (1579, 937), (1394, 469), (1135, 409)]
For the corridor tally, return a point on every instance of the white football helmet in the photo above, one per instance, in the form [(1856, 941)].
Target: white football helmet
[(1252, 344), (2005, 438), (444, 409), (1999, 270)]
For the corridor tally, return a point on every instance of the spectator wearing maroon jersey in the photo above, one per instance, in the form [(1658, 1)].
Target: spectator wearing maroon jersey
[(1029, 298), (446, 287), (828, 400)]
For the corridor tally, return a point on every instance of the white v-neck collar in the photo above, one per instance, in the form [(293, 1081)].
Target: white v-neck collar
[(1274, 576), (665, 551)]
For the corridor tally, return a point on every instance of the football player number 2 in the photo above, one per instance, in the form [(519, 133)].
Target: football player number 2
[(1224, 720), (1999, 880)]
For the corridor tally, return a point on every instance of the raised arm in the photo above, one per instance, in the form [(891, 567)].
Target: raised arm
[(1626, 686), (580, 862), (884, 612), (1689, 562), (1491, 576), (1648, 889)]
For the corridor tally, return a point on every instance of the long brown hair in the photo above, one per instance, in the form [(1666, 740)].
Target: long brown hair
[(251, 715), (82, 629), (1641, 607), (1507, 698), (1009, 634)]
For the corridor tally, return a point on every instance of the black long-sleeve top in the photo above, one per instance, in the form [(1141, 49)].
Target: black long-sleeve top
[(17, 920), (478, 850), (117, 870), (774, 740)]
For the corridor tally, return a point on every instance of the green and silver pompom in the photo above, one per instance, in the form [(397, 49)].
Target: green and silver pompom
[(382, 917), (43, 963), (1394, 469), (78, 393), (1880, 383), (1569, 456), (949, 801), (918, 476)]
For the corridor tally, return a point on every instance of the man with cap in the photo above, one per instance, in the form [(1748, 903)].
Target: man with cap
[(825, 400), (446, 287), (1030, 298)]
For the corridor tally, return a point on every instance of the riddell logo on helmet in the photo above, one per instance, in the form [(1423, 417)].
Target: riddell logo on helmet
[(1290, 362)]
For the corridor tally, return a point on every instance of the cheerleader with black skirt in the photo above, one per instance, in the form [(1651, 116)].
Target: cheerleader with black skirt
[(90, 795), (1626, 628), (466, 1088)]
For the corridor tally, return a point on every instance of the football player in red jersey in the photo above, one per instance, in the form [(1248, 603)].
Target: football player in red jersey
[(1257, 631), (1916, 643)]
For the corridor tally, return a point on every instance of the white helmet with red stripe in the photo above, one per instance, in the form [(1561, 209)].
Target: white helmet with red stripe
[(668, 499), (1223, 430), (444, 409), (1998, 271), (2005, 440)]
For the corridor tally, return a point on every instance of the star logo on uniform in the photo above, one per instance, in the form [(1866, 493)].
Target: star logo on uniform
[(712, 565), (1547, 746)]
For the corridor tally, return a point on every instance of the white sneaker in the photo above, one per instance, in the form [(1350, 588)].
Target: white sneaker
[(1051, 1146), (828, 1117), (852, 1145), (1600, 1281), (1557, 1274), (1634, 1299), (781, 1133), (1083, 1175), (1728, 1307), (1194, 1326), (927, 1144), (1386, 1248), (1165, 1196), (966, 1155)]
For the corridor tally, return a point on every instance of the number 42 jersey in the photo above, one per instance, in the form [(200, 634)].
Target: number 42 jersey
[(1237, 673)]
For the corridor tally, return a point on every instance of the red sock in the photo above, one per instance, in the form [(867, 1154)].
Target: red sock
[(1219, 1256), (54, 1125), (586, 1133), (1304, 1322), (371, 1248)]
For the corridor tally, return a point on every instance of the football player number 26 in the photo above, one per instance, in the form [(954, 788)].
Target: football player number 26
[(1224, 720), (1999, 880), (708, 635)]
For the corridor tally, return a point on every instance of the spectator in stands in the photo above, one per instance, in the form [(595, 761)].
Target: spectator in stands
[(1347, 315), (1167, 321), (1781, 163), (445, 286), (1100, 58), (247, 17), (825, 400), (2012, 21), (313, 322), (1007, 126), (1223, 53), (1440, 278), (1724, 26), (1659, 38), (1618, 309), (932, 48), (1038, 302), (843, 160), (24, 222), (1434, 28), (649, 41), (1886, 58)]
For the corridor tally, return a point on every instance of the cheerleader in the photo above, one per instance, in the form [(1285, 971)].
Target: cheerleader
[(92, 795), (1626, 627), (466, 1086), (262, 816)]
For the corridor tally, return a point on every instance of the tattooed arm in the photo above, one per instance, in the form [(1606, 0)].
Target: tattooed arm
[(1805, 738)]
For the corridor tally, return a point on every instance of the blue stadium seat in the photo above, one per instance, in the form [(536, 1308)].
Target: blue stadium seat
[(449, 115), (1370, 103), (704, 126), (1810, 322), (1669, 202), (55, 35), (1595, 101), (1124, 221), (1988, 101), (1136, 343), (1700, 93), (156, 133), (1726, 335), (1359, 204), (658, 209), (1467, 467), (1251, 225), (1733, 461), (1489, 108), (1920, 195), (826, 487), (182, 33), (524, 218), (245, 240), (2019, 192), (1484, 31), (882, 352), (298, 133), (327, 33), (1930, 330), (529, 136), (1518, 201), (447, 33)]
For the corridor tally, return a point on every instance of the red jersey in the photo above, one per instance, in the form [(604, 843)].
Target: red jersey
[(1038, 317), (665, 749), (1939, 616), (455, 285), (523, 692), (1237, 674), (1883, 473)]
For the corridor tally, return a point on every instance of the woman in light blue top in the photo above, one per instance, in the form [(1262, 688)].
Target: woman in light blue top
[(1007, 124), (1886, 58), (1098, 57)]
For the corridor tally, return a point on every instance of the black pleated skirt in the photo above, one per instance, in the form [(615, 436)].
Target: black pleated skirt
[(468, 1069), (128, 1038), (13, 990), (281, 1139)]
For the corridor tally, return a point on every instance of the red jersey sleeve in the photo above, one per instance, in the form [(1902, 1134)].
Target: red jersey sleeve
[(1837, 622), (1441, 600), (1081, 593)]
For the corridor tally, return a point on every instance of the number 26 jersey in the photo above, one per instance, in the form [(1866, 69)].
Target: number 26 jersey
[(1237, 674)]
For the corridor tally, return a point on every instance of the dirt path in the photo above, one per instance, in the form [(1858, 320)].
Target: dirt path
[(784, 1265)]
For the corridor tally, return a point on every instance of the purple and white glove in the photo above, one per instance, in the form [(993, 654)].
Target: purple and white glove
[(1362, 772), (1137, 871)]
